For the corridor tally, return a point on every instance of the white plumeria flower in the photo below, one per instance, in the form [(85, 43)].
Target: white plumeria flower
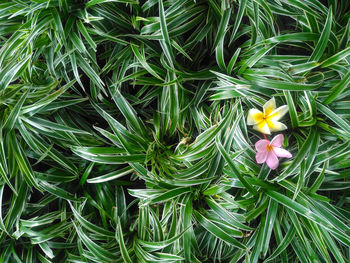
[(267, 121)]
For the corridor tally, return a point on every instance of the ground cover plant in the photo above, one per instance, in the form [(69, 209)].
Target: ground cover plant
[(144, 131)]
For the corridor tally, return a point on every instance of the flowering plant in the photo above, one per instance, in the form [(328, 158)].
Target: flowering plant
[(269, 151), (267, 121)]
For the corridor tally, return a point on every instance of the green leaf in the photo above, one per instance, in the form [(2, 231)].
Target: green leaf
[(241, 10), (12, 118), (300, 156), (156, 245), (281, 85), (169, 195), (129, 114), (23, 162), (216, 231), (233, 60), (338, 89), (98, 2), (143, 62), (98, 251), (166, 45), (292, 109), (53, 189), (269, 222), (86, 35), (323, 40), (319, 180), (10, 72), (110, 176), (334, 117), (282, 245), (47, 100), (2, 225), (90, 153), (226, 215), (309, 214), (233, 168), (336, 57)]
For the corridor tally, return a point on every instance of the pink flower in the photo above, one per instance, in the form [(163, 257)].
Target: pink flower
[(270, 151)]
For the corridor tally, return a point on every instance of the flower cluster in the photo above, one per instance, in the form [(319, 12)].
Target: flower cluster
[(267, 122)]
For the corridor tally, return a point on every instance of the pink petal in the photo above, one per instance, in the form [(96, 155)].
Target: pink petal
[(261, 157), (282, 152), (261, 145), (277, 140), (272, 160)]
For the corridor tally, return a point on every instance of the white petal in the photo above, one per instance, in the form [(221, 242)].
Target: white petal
[(269, 106), (278, 113), (276, 126), (254, 116), (262, 127)]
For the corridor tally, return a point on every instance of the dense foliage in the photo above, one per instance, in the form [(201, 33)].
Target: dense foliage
[(124, 138)]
